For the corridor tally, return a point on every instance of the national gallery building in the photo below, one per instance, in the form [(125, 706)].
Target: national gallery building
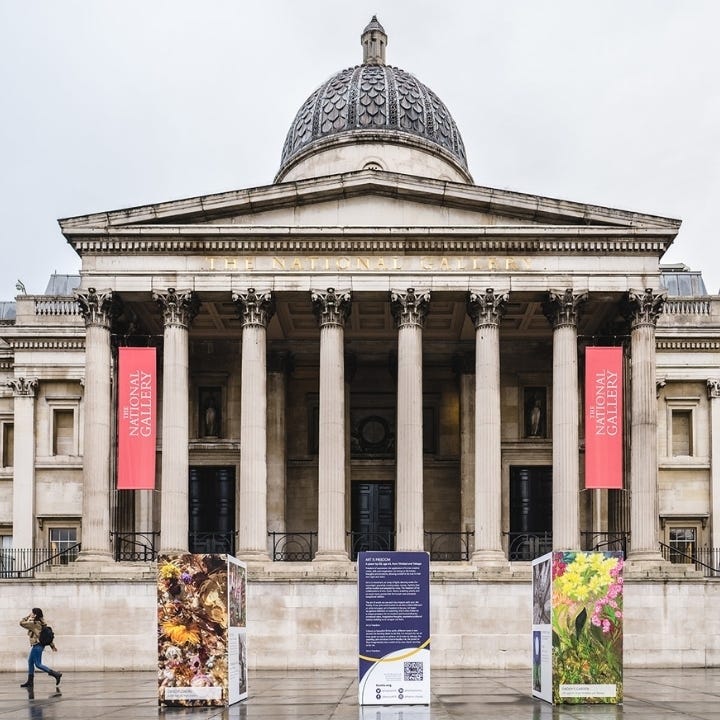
[(372, 352)]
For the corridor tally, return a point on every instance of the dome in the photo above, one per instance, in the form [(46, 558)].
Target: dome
[(374, 102)]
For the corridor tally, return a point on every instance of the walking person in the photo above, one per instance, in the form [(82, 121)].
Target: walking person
[(34, 624)]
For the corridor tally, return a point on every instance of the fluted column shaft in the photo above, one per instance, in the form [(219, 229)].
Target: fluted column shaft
[(179, 308), (23, 488), (331, 308), (278, 368), (410, 309), (255, 310), (562, 309), (714, 397), (486, 311), (644, 309), (98, 309)]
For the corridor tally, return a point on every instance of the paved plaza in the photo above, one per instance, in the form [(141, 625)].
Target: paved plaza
[(308, 695)]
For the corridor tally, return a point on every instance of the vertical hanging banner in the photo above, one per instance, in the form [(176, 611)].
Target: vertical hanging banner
[(394, 625), (136, 418), (603, 418)]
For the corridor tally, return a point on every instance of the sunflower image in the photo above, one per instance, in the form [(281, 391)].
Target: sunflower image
[(180, 634)]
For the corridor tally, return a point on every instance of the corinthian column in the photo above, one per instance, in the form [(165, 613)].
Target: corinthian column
[(179, 307), (561, 308), (98, 309), (255, 310), (409, 308), (486, 309), (23, 489), (331, 308), (713, 387), (643, 309)]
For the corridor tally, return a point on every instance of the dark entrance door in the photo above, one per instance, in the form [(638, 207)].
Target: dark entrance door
[(373, 516), (212, 509), (530, 512)]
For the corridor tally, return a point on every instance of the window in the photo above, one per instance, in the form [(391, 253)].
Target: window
[(61, 540), (7, 561), (682, 435), (683, 544), (63, 432), (8, 442)]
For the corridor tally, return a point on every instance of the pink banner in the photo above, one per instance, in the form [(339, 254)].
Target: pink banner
[(136, 418), (603, 418)]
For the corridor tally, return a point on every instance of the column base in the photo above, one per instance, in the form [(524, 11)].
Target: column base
[(99, 557), (253, 556), (490, 558), (331, 556), (173, 551)]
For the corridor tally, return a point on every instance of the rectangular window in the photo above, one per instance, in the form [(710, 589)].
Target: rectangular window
[(8, 443), (63, 432), (682, 433), (7, 561), (683, 544), (61, 540)]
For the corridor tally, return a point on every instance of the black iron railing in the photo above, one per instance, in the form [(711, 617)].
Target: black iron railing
[(528, 545), (605, 541), (135, 546), (25, 562), (368, 541), (293, 546), (448, 546), (212, 542), (706, 560)]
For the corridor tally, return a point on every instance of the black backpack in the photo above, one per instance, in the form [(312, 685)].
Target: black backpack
[(46, 635)]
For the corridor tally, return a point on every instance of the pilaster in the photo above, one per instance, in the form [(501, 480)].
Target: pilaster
[(713, 387)]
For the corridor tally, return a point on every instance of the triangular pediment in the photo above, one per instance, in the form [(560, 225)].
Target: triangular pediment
[(365, 199)]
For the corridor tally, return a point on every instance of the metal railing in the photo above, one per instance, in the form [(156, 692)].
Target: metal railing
[(293, 546), (135, 546), (528, 545), (706, 560), (368, 541), (25, 562), (212, 542), (448, 546), (605, 541)]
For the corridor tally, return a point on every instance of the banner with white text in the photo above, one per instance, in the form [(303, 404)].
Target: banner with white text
[(603, 418), (137, 377), (394, 625)]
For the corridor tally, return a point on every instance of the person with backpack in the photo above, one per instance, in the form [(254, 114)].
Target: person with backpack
[(40, 635)]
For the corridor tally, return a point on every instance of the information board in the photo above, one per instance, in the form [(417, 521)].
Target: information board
[(394, 628)]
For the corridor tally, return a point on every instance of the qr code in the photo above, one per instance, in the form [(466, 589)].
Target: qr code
[(413, 671)]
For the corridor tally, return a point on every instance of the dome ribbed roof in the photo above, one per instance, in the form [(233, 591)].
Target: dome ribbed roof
[(373, 97)]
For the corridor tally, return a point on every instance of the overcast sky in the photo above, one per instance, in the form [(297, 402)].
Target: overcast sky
[(107, 104)]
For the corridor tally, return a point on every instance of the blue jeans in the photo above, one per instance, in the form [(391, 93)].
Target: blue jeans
[(35, 660)]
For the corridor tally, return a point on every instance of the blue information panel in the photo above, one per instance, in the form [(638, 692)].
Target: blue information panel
[(394, 624)]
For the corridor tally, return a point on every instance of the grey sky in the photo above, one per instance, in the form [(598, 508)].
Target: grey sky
[(110, 104)]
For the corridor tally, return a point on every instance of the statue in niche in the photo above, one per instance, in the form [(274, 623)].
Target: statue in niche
[(534, 412), (210, 418)]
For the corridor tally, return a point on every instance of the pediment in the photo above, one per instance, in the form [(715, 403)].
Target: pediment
[(364, 200)]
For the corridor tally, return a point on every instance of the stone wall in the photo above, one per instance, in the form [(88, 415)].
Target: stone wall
[(301, 620)]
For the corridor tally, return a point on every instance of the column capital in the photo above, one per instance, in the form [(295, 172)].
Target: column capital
[(179, 307), (331, 307), (99, 308), (713, 389), (486, 308), (410, 307), (561, 307), (643, 308), (254, 307), (23, 387)]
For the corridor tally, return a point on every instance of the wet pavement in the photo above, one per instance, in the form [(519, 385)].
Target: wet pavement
[(332, 695)]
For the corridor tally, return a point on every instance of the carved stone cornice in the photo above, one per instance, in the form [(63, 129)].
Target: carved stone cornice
[(46, 344), (23, 387), (409, 307), (713, 388), (643, 308), (486, 308), (331, 307), (562, 307), (254, 307), (680, 344), (99, 308), (179, 307)]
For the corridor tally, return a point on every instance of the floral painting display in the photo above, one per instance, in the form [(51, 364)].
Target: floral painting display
[(193, 619), (587, 627)]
